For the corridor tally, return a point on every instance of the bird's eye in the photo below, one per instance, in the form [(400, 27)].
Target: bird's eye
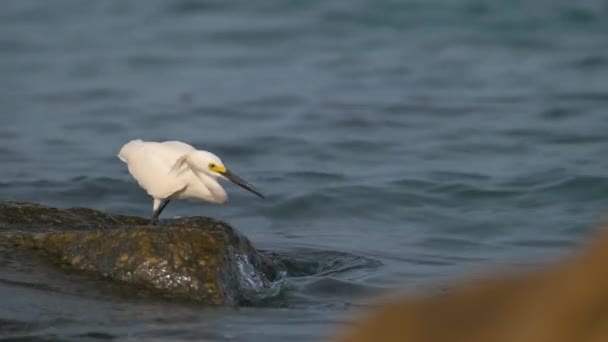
[(211, 165)]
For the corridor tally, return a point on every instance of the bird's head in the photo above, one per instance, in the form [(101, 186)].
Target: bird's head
[(212, 166)]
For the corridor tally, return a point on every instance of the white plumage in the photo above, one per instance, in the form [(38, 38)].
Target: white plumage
[(175, 170)]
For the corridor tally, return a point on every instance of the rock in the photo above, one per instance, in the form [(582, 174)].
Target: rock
[(37, 217), (194, 258), (564, 302)]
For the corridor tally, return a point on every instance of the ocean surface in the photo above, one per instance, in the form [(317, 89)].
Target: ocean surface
[(401, 145)]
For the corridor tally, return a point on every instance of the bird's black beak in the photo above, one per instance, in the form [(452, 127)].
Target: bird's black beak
[(240, 182)]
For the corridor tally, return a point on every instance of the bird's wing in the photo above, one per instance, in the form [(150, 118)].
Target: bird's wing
[(182, 149), (150, 162), (178, 146)]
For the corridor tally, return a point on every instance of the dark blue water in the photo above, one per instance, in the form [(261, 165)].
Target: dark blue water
[(430, 139)]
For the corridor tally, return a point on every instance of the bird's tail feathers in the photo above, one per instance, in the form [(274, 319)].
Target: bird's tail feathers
[(129, 149)]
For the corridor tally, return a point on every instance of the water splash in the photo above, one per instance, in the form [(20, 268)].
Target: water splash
[(253, 285)]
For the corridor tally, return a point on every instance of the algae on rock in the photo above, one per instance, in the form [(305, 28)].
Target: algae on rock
[(195, 258)]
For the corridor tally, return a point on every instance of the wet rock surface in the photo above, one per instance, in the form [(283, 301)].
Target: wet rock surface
[(193, 258), (35, 217)]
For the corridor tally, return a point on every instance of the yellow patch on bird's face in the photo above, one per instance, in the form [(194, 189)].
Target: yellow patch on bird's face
[(217, 168)]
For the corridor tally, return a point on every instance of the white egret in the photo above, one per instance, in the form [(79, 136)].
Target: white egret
[(174, 170)]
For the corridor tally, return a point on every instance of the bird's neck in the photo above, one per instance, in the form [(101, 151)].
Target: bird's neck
[(219, 194)]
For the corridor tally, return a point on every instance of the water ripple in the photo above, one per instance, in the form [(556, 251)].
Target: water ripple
[(423, 136)]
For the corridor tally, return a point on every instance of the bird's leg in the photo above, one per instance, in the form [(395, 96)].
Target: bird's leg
[(159, 206)]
